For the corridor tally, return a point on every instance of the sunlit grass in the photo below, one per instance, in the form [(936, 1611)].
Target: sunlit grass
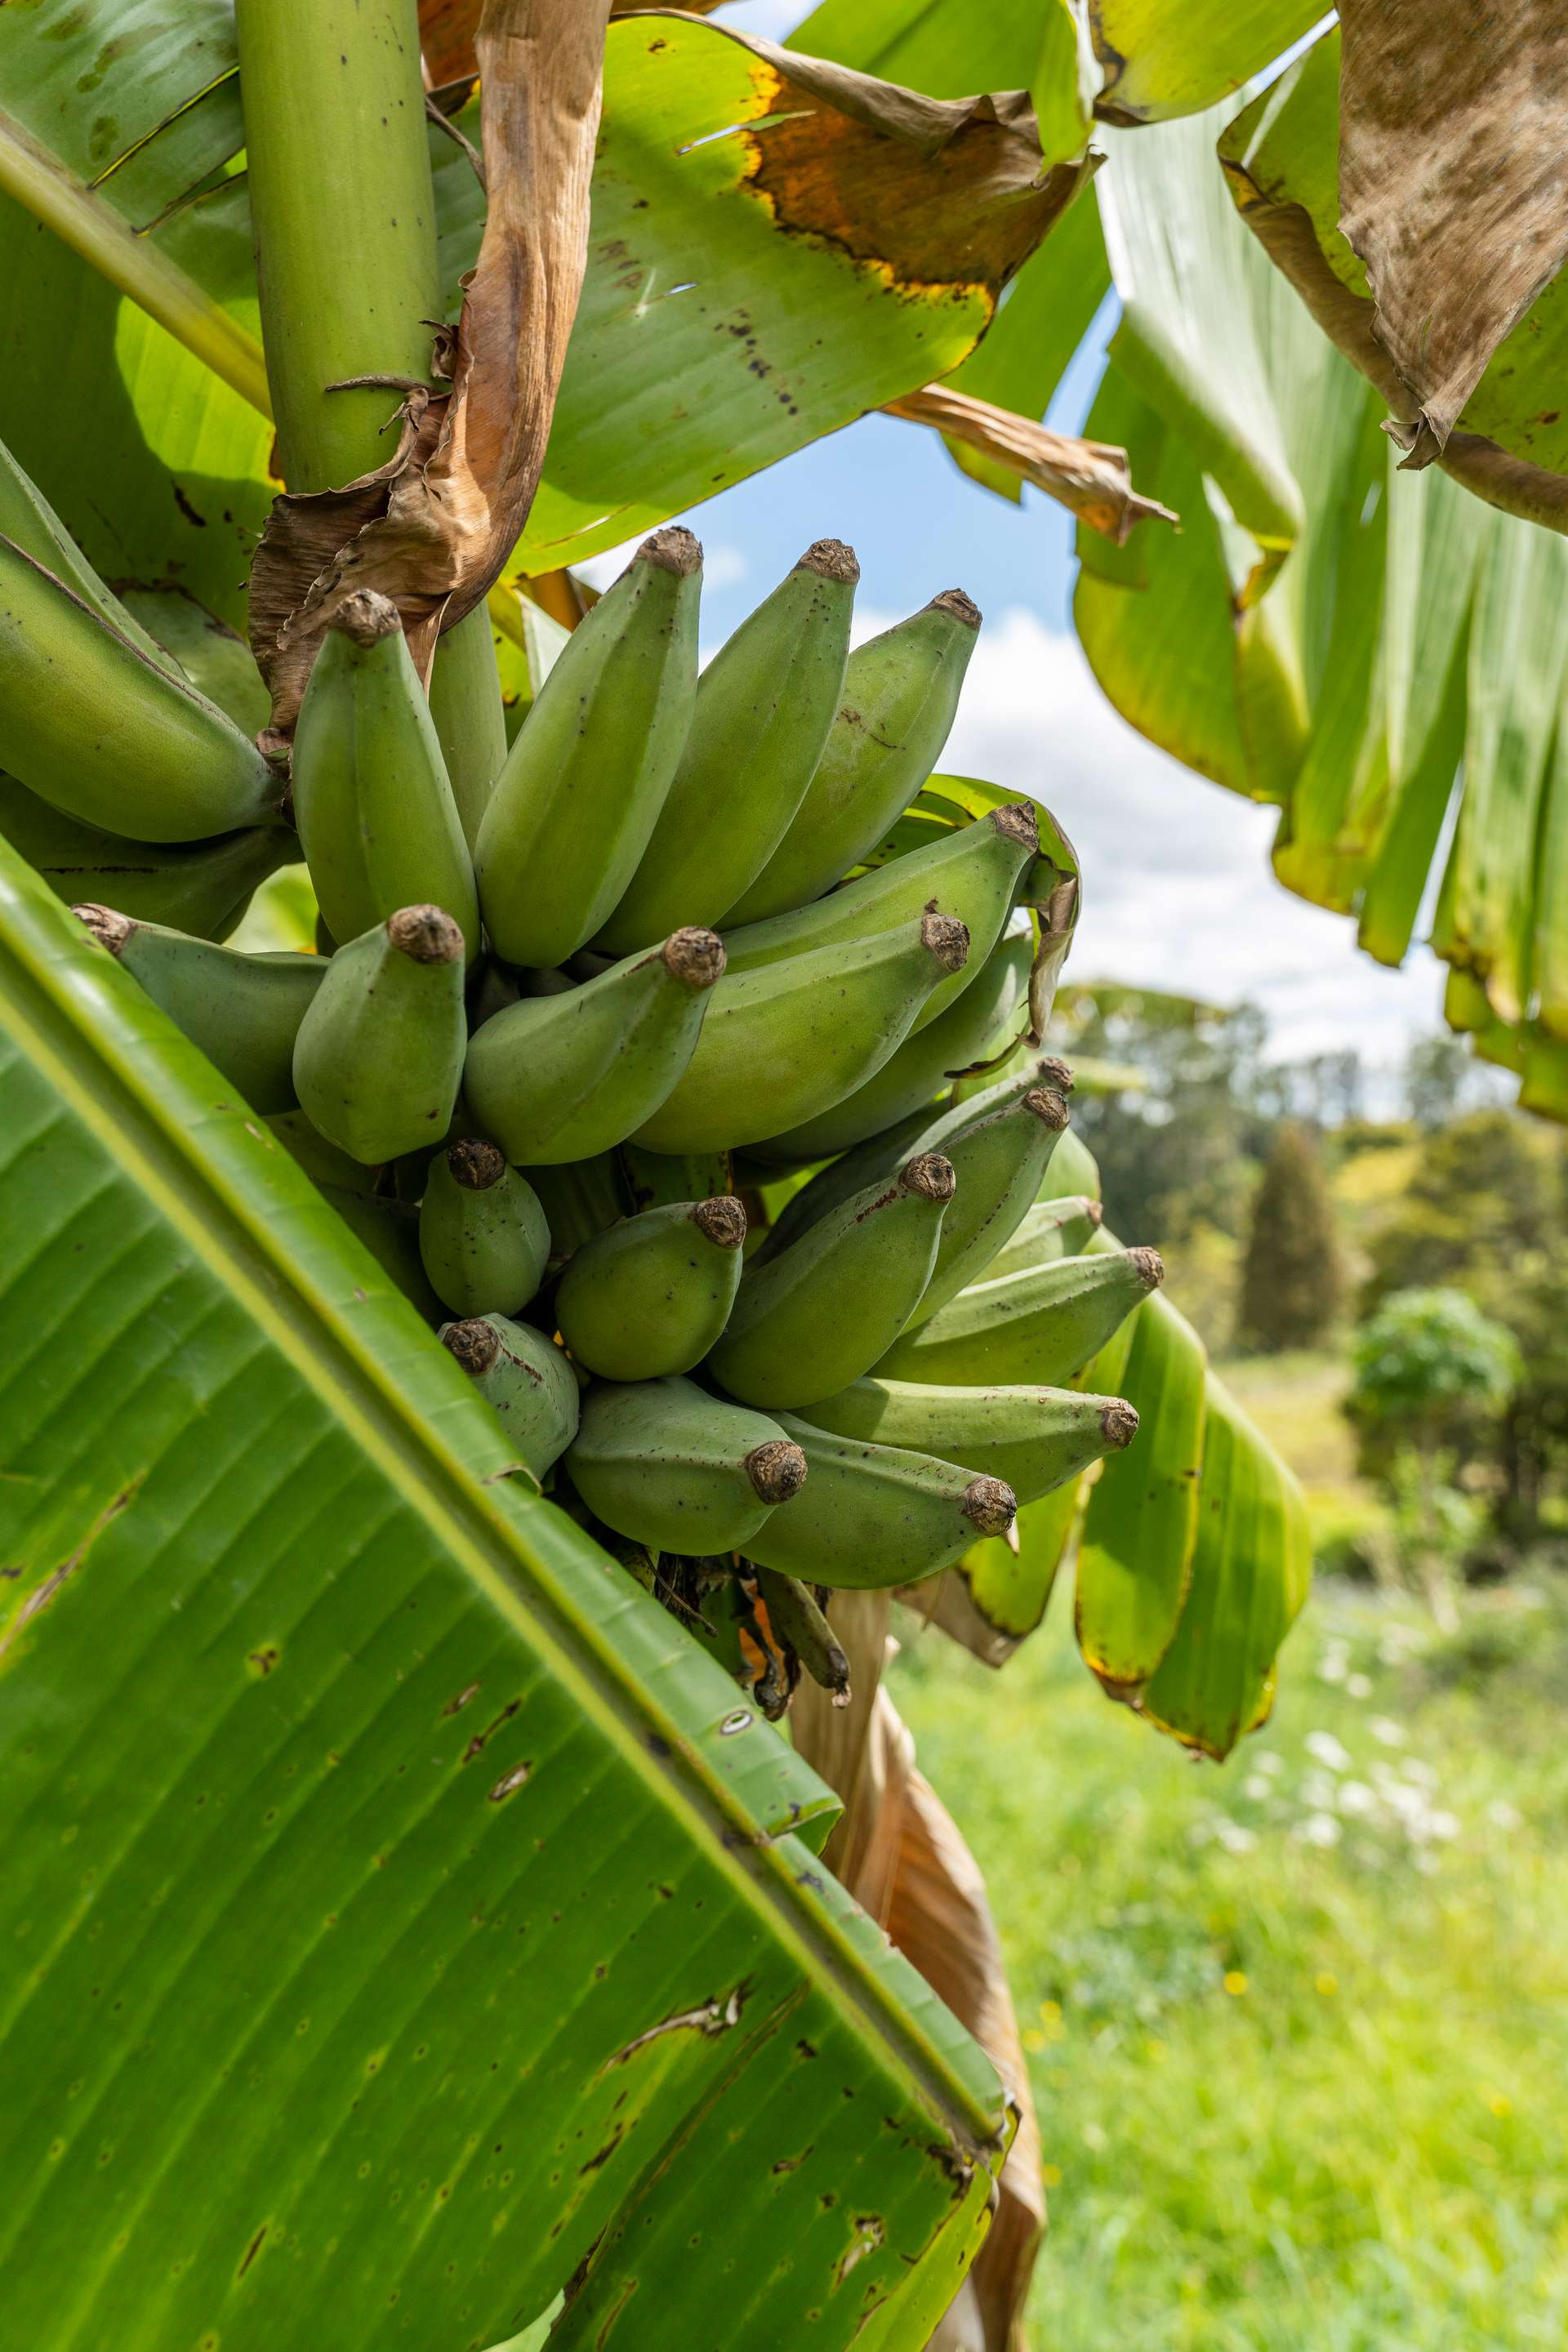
[(1298, 2025)]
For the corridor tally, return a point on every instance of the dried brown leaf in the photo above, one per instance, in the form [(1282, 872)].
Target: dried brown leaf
[(1091, 478), (1453, 185), (448, 30), (1481, 465), (900, 1855)]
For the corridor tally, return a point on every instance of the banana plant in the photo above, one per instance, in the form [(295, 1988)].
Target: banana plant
[(417, 1926)]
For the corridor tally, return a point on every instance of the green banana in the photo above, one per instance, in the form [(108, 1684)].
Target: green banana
[(657, 1179), (390, 1230), (877, 1515), (380, 1053), (30, 523), (900, 692), (795, 1618), (985, 1018), (760, 724), (375, 813), (482, 1235), (679, 1469), (469, 716), (795, 1036), (1052, 1229), (817, 1316), (925, 1129), (972, 873), (1043, 1325), (525, 1377), (650, 1297), (581, 1198), (565, 1076), (99, 729), (243, 1012), (1035, 1438), (998, 1163), (574, 807), (323, 1163), (199, 887)]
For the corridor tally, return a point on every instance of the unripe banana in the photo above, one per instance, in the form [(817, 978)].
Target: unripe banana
[(680, 1470), (243, 1012), (877, 1515), (764, 705), (580, 793), (926, 1129), (526, 1381), (323, 1163), (380, 1053), (563, 1077), (795, 1617), (1040, 1326), (482, 1233), (900, 691), (820, 1315), (972, 873), (1052, 1229), (1035, 1438), (657, 1179), (795, 1036), (999, 1163), (375, 813), (580, 1199), (97, 727), (390, 1230), (469, 716), (649, 1297), (202, 888), (986, 1016)]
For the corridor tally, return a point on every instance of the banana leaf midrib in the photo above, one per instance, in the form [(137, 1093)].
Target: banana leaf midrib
[(140, 1124)]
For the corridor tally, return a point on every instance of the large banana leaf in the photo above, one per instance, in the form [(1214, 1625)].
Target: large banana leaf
[(764, 266), (401, 1907), (1350, 641)]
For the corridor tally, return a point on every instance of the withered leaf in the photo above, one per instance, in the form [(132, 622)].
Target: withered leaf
[(1453, 183), (1091, 478)]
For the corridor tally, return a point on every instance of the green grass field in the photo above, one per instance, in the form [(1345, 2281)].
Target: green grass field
[(1297, 2024)]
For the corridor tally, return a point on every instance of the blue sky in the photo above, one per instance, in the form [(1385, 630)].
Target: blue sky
[(1178, 891)]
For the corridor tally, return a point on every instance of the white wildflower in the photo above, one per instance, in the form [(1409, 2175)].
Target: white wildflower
[(1318, 1829), (1329, 1750)]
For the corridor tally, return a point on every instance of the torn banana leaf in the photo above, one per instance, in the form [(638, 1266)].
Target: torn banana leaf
[(1403, 639), (400, 1891), (1507, 439)]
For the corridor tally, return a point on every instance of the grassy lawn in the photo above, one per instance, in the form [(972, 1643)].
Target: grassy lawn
[(1298, 2025)]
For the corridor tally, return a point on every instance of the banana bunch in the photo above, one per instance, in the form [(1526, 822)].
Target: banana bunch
[(637, 1051)]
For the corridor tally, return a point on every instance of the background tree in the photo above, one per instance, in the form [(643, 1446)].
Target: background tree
[(1293, 1284)]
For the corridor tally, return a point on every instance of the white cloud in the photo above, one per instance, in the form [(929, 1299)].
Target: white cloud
[(1178, 892)]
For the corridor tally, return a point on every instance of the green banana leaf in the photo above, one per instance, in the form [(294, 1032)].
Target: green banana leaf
[(736, 305), (1146, 59), (1399, 645), (1135, 1561), (406, 1912), (1251, 1569)]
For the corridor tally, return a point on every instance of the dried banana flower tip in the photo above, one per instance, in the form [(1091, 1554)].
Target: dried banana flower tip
[(425, 935)]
